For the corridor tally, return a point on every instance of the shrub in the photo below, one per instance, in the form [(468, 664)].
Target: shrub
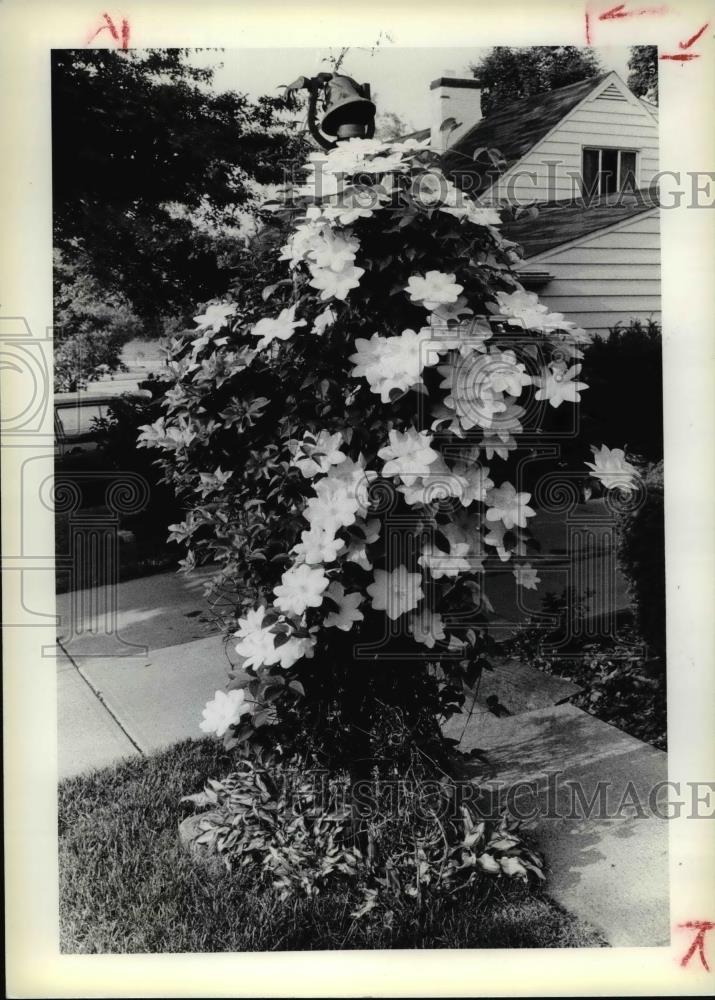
[(621, 684), (641, 554), (624, 401)]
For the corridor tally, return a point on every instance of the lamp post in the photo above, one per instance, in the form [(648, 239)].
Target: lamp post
[(346, 110)]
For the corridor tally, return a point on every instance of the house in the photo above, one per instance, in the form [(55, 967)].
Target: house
[(585, 157)]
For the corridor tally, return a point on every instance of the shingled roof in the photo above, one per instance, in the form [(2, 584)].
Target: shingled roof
[(512, 131), (561, 222)]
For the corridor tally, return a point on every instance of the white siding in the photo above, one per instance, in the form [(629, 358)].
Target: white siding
[(609, 276), (555, 163)]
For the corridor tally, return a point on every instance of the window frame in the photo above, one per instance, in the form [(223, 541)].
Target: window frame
[(619, 150)]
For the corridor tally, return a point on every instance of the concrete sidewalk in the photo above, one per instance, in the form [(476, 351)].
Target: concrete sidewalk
[(140, 685), (146, 655), (134, 677), (580, 782)]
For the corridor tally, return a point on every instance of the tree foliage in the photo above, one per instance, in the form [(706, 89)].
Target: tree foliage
[(90, 327), (507, 74), (390, 125), (643, 71), (142, 148)]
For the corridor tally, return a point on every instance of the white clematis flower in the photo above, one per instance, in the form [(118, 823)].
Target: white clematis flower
[(396, 592), (408, 455), (470, 393), (302, 241), (611, 468), (335, 505), (437, 485), (224, 711), (433, 289), (281, 328), (336, 284), (449, 564), (526, 576), (349, 157), (394, 363), (216, 316), (334, 251), (288, 653), (257, 648), (504, 373), (497, 443), (476, 482), (525, 306), (347, 614), (506, 505), (301, 587), (495, 538), (316, 454), (427, 627), (323, 320), (253, 622), (557, 384), (319, 545)]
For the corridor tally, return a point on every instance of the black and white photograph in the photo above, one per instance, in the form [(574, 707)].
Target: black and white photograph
[(356, 430)]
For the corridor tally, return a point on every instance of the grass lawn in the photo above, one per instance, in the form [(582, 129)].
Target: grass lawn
[(127, 886)]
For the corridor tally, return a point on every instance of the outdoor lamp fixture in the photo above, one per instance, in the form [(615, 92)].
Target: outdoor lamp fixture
[(346, 110)]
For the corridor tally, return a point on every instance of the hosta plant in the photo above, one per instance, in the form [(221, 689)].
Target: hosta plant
[(293, 827)]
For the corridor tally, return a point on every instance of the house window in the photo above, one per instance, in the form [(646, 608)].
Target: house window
[(608, 170)]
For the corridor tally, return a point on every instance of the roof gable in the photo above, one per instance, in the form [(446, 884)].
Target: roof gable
[(512, 132)]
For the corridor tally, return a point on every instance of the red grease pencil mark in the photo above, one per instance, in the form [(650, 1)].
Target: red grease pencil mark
[(588, 28), (702, 927), (109, 26), (690, 41), (686, 56), (620, 11)]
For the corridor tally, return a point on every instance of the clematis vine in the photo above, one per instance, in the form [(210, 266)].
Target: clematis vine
[(391, 391)]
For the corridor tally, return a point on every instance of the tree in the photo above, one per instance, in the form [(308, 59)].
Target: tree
[(390, 125), (507, 74), (643, 72), (343, 433), (90, 327), (144, 154)]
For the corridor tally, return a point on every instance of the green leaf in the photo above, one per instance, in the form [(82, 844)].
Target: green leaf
[(262, 717)]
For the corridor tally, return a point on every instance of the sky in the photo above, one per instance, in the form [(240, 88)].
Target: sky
[(399, 77)]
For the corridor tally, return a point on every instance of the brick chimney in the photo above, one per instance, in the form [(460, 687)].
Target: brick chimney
[(453, 97)]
